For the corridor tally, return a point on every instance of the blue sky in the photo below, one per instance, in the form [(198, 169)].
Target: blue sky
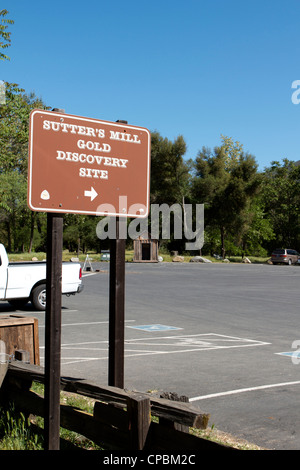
[(193, 68)]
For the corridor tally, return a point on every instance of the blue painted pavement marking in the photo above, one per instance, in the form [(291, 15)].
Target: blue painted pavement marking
[(295, 354), (155, 327)]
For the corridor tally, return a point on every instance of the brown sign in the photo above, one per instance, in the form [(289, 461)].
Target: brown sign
[(86, 166)]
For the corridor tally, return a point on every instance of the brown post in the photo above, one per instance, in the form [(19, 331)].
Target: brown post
[(116, 310), (138, 409), (116, 307), (53, 330)]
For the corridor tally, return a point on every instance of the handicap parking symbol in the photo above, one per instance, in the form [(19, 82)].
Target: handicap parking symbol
[(155, 327)]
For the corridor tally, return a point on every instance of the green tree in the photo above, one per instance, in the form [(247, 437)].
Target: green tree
[(169, 171), (13, 189), (14, 129), (225, 180), (80, 233), (258, 229), (170, 178), (281, 196), (4, 33)]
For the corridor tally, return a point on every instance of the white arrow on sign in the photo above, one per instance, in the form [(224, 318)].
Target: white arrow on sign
[(92, 193)]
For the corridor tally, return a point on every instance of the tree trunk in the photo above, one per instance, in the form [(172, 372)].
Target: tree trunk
[(31, 232), (8, 236), (222, 229)]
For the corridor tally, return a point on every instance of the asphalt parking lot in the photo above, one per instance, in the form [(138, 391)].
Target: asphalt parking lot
[(223, 335)]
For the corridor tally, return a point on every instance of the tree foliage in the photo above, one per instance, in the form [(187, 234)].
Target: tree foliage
[(226, 181), (281, 197), (14, 128), (168, 167), (5, 39)]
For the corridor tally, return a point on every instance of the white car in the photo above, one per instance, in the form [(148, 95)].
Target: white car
[(21, 282)]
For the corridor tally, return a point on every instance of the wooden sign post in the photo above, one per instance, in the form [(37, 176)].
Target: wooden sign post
[(116, 310), (53, 330), (84, 166)]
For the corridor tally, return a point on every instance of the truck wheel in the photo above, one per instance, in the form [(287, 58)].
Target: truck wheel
[(39, 297)]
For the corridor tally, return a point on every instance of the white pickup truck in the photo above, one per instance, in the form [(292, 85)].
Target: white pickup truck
[(21, 282)]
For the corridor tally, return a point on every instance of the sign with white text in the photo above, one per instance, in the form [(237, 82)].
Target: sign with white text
[(86, 166)]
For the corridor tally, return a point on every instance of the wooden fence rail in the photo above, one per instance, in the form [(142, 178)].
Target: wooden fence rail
[(121, 419)]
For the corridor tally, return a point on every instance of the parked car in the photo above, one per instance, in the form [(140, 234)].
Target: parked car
[(285, 256), (24, 281)]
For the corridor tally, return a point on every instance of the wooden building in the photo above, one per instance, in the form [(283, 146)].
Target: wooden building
[(145, 249)]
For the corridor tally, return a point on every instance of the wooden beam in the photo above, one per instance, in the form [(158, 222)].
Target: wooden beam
[(179, 412)]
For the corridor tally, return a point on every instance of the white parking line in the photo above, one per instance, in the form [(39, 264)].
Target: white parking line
[(196, 342), (90, 274), (35, 312), (87, 323), (243, 390), (75, 360), (156, 345)]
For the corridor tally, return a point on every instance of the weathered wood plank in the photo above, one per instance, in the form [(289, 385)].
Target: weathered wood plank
[(117, 417), (108, 393), (19, 332), (28, 402), (179, 412), (28, 372), (174, 397), (102, 434)]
